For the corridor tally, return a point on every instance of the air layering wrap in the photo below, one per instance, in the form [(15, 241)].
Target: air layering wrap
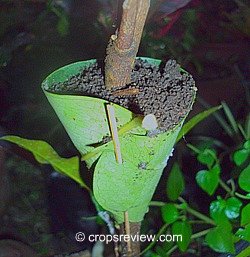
[(117, 187)]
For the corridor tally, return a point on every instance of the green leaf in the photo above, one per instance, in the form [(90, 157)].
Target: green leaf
[(244, 233), (241, 156), (230, 117), (208, 181), (244, 179), (220, 240), (247, 144), (245, 215), (182, 228), (175, 183), (45, 154), (63, 25), (207, 157), (169, 213), (232, 209), (217, 212), (195, 120)]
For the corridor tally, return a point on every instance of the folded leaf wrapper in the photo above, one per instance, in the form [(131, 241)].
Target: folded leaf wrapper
[(117, 187)]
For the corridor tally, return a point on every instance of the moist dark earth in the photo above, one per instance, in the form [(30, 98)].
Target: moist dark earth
[(165, 91)]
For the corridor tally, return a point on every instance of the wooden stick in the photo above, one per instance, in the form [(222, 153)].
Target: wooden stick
[(127, 230), (114, 132)]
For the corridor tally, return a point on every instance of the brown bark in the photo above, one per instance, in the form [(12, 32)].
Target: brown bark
[(135, 245), (123, 47)]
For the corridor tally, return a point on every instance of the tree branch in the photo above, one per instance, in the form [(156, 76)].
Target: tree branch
[(123, 47)]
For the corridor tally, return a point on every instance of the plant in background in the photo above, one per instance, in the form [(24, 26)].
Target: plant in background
[(229, 212)]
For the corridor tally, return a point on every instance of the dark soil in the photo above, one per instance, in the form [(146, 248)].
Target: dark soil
[(165, 91)]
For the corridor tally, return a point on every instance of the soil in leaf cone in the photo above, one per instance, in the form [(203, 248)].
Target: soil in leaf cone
[(165, 91)]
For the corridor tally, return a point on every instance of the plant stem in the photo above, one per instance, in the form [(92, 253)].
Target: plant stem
[(199, 215), (188, 209), (194, 236), (157, 203), (123, 47), (200, 234), (160, 232), (245, 197), (225, 187), (172, 250)]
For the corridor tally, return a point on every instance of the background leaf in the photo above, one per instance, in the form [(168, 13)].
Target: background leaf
[(241, 156), (233, 206), (207, 157), (195, 120), (169, 213), (208, 181), (244, 179), (182, 228), (45, 154), (175, 183), (245, 215), (244, 233), (220, 240)]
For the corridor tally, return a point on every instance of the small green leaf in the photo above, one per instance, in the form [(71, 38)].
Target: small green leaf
[(233, 206), (195, 120), (220, 240), (217, 211), (182, 228), (244, 233), (241, 156), (208, 181), (244, 179), (175, 183), (247, 144), (169, 213), (207, 157), (45, 154), (245, 215)]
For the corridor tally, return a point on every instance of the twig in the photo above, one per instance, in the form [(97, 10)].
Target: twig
[(127, 230), (114, 133), (123, 47)]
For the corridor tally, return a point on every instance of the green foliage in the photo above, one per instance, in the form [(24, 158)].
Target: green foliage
[(244, 179), (63, 18), (169, 213), (45, 154), (244, 233), (233, 206), (175, 183), (182, 228), (230, 212), (207, 157), (243, 154), (245, 215), (196, 120), (208, 180), (221, 240)]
